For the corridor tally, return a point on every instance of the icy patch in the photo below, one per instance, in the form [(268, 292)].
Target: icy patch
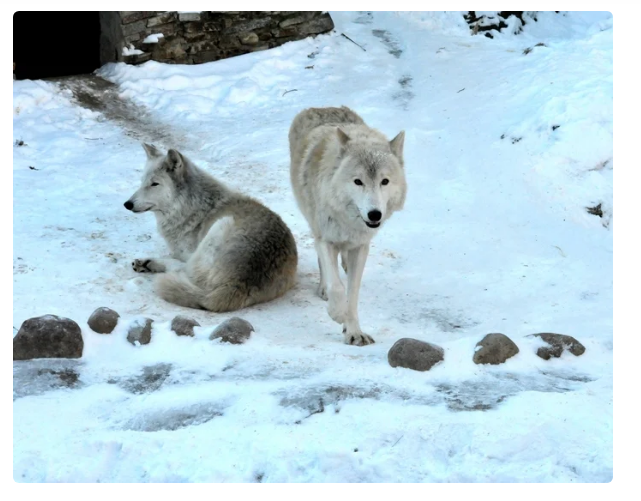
[(151, 379), (479, 394), (35, 377), (174, 418)]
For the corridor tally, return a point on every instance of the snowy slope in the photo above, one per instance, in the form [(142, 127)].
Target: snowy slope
[(494, 237)]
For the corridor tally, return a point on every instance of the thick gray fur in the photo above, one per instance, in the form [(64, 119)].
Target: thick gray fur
[(229, 250)]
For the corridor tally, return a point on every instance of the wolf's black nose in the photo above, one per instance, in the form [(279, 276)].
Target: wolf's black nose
[(374, 215), (129, 205)]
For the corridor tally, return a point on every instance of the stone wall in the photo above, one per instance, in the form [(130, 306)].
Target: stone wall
[(199, 37)]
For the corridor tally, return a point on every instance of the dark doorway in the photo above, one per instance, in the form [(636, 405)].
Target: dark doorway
[(55, 44)]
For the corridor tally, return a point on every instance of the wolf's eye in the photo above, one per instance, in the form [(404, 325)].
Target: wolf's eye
[(154, 184), (358, 182), (385, 181)]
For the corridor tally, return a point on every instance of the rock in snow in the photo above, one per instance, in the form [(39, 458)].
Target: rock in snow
[(494, 349), (48, 336), (103, 320), (234, 331), (556, 344), (140, 331), (183, 326), (414, 354)]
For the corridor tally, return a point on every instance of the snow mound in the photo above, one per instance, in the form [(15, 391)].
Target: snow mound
[(131, 51), (153, 38)]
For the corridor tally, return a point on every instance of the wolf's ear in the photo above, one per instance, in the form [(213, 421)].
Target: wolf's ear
[(396, 145), (151, 150), (342, 137), (174, 161)]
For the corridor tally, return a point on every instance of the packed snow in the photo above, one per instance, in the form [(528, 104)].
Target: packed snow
[(130, 50), (505, 150), (153, 38)]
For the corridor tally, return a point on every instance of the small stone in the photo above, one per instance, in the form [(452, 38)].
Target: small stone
[(167, 30), (321, 24), (103, 320), (234, 331), (250, 25), (194, 37), (414, 354), (140, 332), (127, 17), (133, 28), (183, 326), (292, 21), (161, 19), (189, 16), (249, 39), (556, 344), (494, 349), (137, 58), (48, 336), (132, 38), (151, 379)]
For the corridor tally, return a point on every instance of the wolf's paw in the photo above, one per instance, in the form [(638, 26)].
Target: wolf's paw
[(147, 266), (322, 292), (357, 338)]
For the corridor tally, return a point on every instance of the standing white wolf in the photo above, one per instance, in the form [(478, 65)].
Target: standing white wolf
[(237, 251), (348, 179)]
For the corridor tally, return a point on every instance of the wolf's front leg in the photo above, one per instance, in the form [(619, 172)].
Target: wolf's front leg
[(344, 255), (328, 257), (356, 259), (153, 265)]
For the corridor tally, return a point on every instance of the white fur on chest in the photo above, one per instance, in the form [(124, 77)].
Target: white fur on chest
[(182, 241), (342, 232)]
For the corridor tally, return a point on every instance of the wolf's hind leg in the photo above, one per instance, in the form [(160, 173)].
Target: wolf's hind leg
[(322, 286)]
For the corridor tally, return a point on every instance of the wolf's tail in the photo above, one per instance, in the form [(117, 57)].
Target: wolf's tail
[(226, 297), (178, 289)]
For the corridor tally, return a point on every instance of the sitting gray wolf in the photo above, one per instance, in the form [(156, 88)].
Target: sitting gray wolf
[(232, 251), (348, 179)]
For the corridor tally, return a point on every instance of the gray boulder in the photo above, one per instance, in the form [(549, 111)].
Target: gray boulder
[(183, 326), (140, 331), (48, 336), (414, 354), (234, 331), (556, 344), (103, 320), (494, 349)]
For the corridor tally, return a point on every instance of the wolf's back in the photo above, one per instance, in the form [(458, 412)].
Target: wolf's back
[(309, 119)]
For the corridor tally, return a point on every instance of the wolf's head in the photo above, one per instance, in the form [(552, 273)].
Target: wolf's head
[(370, 179), (160, 181)]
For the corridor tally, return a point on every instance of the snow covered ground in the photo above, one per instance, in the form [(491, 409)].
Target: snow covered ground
[(504, 151)]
